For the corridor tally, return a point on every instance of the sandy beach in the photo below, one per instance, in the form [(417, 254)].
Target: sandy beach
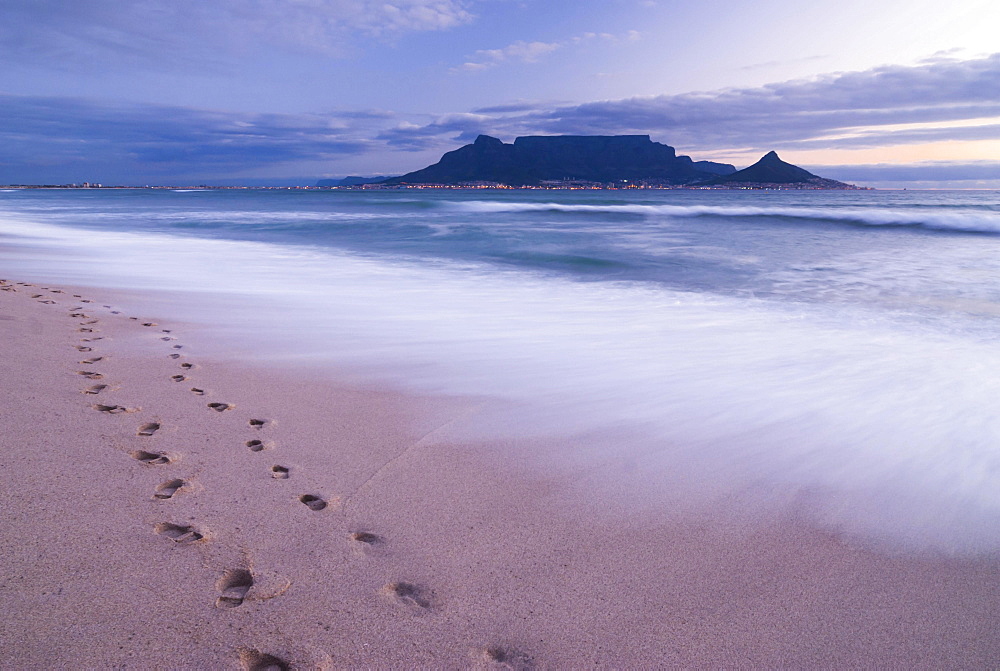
[(166, 510)]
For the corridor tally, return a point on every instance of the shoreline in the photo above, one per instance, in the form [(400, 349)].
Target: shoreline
[(389, 543)]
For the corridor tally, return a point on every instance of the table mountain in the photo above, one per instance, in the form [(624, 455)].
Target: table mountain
[(533, 159)]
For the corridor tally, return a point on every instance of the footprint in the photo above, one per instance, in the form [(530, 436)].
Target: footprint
[(85, 330), (255, 445), (187, 366), (36, 295), (196, 391), (78, 315), (92, 359), (365, 537), (178, 347), (255, 660), (165, 338), (149, 324), (165, 331), (48, 302), (96, 389), (221, 407), (313, 502), (233, 586), (152, 458), (257, 423), (177, 378), (148, 429), (279, 472), (174, 356), (115, 312), (496, 657), (407, 594), (83, 348), (89, 322), (89, 374), (113, 409), (179, 533), (167, 489)]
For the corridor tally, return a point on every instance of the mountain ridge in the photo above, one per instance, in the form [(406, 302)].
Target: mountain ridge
[(534, 159)]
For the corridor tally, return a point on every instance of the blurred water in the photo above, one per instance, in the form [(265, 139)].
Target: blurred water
[(842, 342)]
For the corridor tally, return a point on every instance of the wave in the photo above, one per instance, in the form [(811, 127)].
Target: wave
[(971, 222), (892, 419)]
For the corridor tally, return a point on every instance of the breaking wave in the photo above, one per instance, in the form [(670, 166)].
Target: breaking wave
[(981, 221)]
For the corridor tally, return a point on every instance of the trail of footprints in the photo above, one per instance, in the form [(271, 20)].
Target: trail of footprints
[(235, 585)]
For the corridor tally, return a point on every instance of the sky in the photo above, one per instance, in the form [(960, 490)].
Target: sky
[(891, 94)]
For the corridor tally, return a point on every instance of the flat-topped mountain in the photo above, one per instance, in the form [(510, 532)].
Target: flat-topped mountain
[(535, 159), (771, 170)]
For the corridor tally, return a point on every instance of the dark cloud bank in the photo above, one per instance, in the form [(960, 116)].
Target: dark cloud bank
[(62, 139)]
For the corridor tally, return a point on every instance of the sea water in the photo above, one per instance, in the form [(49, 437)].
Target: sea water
[(836, 343)]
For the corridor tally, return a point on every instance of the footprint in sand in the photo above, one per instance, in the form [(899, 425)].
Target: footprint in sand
[(407, 594), (233, 587), (255, 445), (221, 407), (257, 423), (152, 458), (92, 359), (197, 392), (149, 324), (78, 315), (365, 537), (89, 374), (496, 657), (174, 356), (83, 348), (177, 378), (89, 322), (255, 660), (179, 533), (48, 302), (85, 330), (167, 489), (165, 338), (313, 502), (96, 389), (115, 312), (279, 472), (36, 295), (187, 366), (113, 409), (178, 347), (148, 429)]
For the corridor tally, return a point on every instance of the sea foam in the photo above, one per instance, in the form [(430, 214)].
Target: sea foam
[(893, 423)]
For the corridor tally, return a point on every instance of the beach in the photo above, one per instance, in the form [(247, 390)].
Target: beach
[(164, 508)]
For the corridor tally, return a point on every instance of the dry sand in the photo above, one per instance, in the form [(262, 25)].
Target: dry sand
[(384, 544)]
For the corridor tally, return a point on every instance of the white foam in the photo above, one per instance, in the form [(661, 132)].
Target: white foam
[(978, 221), (832, 399)]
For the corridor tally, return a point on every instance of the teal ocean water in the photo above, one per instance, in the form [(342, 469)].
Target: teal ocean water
[(839, 343)]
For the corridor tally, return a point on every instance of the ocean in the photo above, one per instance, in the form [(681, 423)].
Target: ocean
[(840, 345)]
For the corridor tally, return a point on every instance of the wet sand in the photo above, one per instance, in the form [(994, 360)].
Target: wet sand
[(162, 509)]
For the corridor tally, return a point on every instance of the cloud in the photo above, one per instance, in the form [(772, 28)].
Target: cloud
[(838, 110), (531, 52), (165, 32), (66, 140)]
